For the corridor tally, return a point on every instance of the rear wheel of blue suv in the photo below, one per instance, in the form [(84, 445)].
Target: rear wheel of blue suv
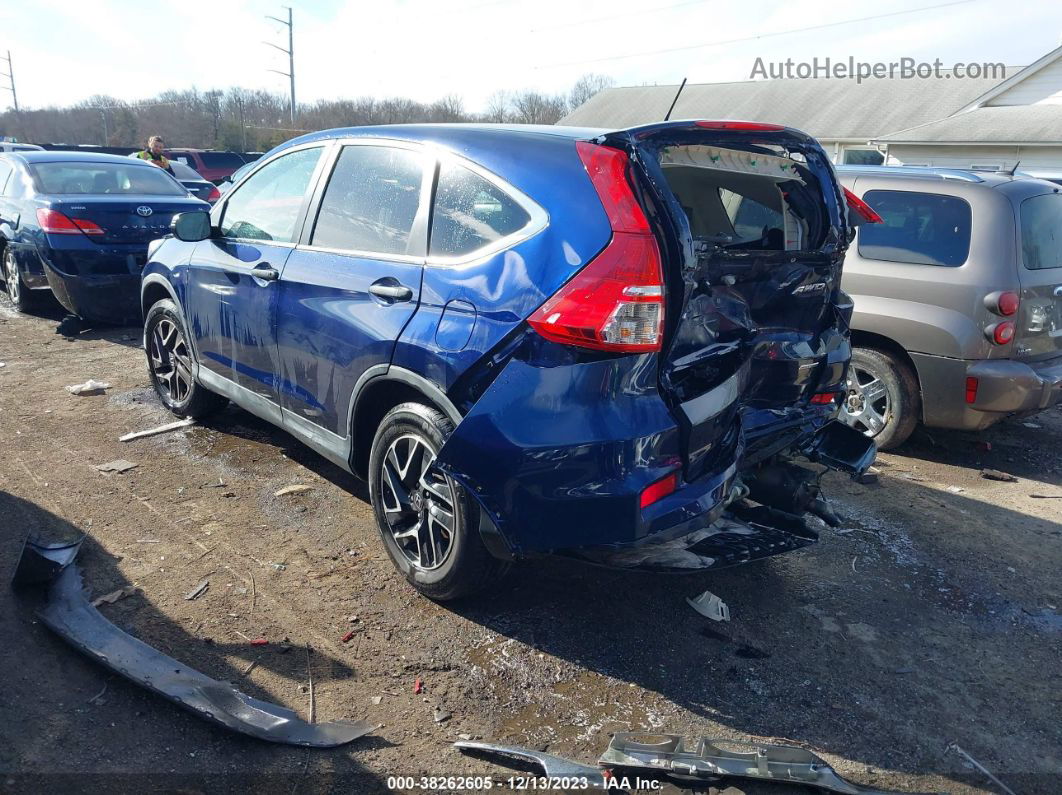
[(610, 346)]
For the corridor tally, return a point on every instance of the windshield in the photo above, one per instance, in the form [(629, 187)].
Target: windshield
[(104, 178), (1041, 231)]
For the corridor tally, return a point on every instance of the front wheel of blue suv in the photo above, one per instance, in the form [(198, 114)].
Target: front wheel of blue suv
[(169, 359), (428, 523)]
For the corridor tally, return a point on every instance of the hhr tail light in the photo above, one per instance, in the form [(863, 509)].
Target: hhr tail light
[(616, 302)]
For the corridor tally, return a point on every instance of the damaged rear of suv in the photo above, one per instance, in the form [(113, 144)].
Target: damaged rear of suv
[(619, 346), (650, 412)]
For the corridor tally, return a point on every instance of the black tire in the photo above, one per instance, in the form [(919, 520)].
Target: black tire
[(882, 399), (169, 360), (22, 297), (465, 566)]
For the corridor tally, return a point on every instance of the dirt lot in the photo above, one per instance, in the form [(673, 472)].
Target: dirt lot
[(929, 618)]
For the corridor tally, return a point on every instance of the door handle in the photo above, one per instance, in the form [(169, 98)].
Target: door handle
[(391, 292), (265, 272)]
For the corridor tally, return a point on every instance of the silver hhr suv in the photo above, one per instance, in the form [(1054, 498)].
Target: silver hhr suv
[(958, 300)]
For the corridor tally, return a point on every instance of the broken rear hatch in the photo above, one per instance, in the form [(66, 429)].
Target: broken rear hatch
[(751, 235)]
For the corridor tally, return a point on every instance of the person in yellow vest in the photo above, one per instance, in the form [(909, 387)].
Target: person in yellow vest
[(153, 153)]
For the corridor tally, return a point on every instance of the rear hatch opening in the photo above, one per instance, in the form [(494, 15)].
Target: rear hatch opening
[(752, 237)]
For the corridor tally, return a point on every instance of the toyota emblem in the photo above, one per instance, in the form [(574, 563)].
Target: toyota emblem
[(144, 211)]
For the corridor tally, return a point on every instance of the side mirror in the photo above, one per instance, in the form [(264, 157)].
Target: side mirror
[(191, 227)]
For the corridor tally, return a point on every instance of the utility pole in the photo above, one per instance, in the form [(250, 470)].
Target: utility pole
[(243, 127), (10, 75), (290, 51)]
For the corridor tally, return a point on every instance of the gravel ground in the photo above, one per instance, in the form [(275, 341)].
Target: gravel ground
[(929, 618)]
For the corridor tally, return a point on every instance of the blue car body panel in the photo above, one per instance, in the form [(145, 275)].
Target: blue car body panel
[(555, 443)]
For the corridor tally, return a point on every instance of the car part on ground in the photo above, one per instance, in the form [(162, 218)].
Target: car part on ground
[(69, 613), (666, 757), (668, 754), (555, 768)]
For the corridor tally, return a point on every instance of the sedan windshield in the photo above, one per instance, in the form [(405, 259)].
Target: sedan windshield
[(104, 178)]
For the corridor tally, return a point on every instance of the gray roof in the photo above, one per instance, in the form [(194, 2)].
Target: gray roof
[(823, 107), (991, 125)]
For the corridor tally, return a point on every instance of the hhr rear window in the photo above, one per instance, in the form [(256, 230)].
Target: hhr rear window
[(917, 228), (1041, 231)]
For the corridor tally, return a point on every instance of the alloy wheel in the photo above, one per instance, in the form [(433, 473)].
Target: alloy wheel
[(867, 405), (418, 505), (14, 286), (171, 360)]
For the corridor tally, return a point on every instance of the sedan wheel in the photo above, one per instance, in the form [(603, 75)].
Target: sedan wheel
[(418, 505), (170, 360)]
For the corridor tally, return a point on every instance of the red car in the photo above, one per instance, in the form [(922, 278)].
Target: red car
[(214, 166)]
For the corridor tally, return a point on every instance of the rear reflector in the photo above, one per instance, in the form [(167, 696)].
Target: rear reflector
[(861, 208), (754, 126), (971, 389), (54, 222), (616, 302), (659, 489)]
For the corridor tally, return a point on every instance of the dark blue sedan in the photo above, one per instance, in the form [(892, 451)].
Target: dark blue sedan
[(79, 224), (611, 345)]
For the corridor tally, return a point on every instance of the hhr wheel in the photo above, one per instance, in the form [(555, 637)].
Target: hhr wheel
[(170, 366), (427, 522), (882, 398)]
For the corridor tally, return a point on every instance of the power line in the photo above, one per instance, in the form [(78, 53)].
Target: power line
[(10, 75), (290, 51), (755, 38), (610, 17)]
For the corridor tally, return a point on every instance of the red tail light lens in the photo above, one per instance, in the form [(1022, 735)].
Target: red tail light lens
[(1007, 304), (971, 389), (823, 398), (753, 126), (659, 489), (861, 208), (214, 194), (616, 302), (1001, 333), (55, 223)]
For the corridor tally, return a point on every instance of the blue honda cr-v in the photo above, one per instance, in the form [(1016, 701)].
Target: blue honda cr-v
[(609, 345)]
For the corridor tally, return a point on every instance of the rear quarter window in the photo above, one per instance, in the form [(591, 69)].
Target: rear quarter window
[(470, 213), (1041, 231), (918, 228)]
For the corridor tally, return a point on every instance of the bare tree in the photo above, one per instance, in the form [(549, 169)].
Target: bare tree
[(587, 86), (499, 108), (532, 107)]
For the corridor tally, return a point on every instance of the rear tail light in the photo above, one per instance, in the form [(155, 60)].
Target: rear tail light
[(659, 489), (54, 222), (824, 398), (861, 208), (214, 194), (971, 389), (616, 302), (1001, 333), (753, 126), (1004, 303)]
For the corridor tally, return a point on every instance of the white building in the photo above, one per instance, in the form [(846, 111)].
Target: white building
[(950, 121)]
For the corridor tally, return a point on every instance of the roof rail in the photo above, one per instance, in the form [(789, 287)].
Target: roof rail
[(926, 172)]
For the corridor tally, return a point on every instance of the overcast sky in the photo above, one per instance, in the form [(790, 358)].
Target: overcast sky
[(65, 50)]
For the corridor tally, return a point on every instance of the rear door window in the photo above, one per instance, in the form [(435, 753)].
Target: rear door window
[(471, 213), (918, 228), (267, 205), (221, 160), (1041, 231), (371, 201)]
